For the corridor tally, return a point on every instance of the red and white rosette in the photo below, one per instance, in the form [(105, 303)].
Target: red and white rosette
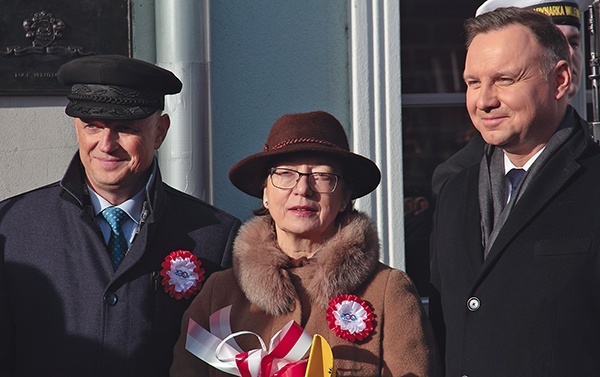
[(350, 317), (182, 274), (217, 347)]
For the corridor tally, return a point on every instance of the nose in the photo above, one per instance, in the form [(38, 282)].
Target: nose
[(303, 186), (108, 140), (487, 98)]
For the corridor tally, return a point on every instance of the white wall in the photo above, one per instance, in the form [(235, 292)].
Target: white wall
[(36, 143)]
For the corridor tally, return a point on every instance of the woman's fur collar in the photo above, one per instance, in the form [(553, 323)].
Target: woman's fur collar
[(340, 266)]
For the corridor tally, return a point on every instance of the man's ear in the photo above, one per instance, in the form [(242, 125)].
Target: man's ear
[(562, 79), (76, 128), (162, 126)]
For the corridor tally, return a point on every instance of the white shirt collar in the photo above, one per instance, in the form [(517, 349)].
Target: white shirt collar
[(508, 165), (132, 206)]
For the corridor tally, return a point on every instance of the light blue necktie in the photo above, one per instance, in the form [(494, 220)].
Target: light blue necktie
[(117, 245)]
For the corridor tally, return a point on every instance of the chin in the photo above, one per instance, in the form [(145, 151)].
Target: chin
[(489, 138)]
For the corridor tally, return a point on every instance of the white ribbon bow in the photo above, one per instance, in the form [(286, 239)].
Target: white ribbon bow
[(219, 349)]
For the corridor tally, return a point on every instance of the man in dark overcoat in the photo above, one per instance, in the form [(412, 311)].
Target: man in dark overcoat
[(566, 15), (96, 270), (515, 252)]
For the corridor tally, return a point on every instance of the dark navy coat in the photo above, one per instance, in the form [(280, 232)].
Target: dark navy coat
[(65, 312), (532, 308)]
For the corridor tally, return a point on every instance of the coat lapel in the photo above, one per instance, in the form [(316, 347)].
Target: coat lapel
[(538, 193), (472, 220)]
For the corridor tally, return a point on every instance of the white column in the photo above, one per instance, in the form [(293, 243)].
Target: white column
[(182, 46), (376, 115)]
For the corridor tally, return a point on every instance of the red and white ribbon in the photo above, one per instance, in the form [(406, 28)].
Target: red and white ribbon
[(283, 358)]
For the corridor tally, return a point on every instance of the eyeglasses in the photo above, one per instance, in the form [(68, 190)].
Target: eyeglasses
[(287, 179)]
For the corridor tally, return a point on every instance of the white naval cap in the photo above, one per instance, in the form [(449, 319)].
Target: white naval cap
[(561, 12)]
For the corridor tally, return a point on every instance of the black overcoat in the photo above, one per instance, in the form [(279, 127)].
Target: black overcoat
[(65, 312), (532, 308)]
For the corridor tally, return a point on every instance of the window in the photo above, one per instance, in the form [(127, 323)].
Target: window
[(435, 123)]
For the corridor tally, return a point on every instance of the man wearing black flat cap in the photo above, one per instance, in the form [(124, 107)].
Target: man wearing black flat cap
[(96, 270)]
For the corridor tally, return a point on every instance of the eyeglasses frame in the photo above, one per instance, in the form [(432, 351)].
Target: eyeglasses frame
[(300, 175)]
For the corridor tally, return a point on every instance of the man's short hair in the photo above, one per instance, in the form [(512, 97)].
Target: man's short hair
[(550, 38)]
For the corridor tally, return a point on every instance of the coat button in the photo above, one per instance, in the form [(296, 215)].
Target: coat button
[(473, 304), (111, 298)]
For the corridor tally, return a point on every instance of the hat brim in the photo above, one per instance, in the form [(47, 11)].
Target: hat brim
[(360, 173), (103, 111)]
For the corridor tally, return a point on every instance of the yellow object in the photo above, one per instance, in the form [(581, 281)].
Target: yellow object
[(320, 360)]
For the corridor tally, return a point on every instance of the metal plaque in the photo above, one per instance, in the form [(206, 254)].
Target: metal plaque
[(38, 36)]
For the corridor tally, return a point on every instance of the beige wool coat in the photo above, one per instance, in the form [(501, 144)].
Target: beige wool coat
[(266, 291)]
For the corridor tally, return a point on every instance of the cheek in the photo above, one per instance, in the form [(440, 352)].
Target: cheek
[(140, 151), (470, 101), (274, 197), (80, 135), (335, 203), (142, 144), (577, 58), (85, 143)]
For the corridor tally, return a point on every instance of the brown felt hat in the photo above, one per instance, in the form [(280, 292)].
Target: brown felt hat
[(317, 132)]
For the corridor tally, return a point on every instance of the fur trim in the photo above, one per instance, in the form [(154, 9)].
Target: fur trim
[(340, 266)]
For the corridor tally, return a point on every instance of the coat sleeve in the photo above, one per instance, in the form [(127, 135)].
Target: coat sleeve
[(184, 363), (436, 314), (408, 343), (227, 254), (7, 337)]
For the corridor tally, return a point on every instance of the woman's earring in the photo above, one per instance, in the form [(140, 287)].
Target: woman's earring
[(266, 203)]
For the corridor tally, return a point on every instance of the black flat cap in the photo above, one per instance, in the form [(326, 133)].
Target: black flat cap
[(116, 87)]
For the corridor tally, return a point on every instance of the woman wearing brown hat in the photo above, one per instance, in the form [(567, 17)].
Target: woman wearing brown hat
[(308, 256)]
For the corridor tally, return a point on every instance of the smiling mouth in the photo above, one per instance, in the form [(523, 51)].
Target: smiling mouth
[(493, 121), (109, 162)]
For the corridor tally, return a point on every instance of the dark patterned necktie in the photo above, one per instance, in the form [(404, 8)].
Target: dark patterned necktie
[(117, 245), (515, 176)]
